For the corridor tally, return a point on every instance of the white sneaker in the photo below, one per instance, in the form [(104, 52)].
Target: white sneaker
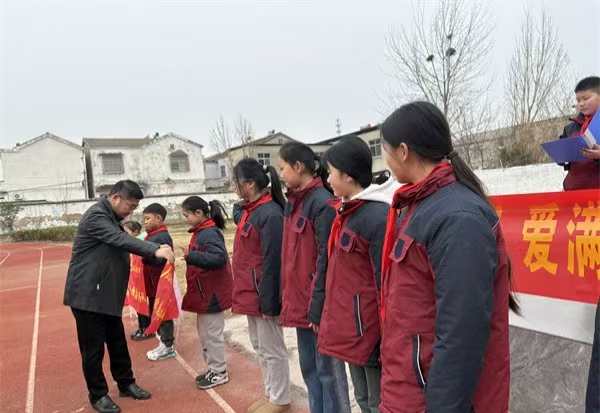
[(162, 353), (155, 350)]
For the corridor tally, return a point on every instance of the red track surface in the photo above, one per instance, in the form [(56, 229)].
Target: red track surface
[(54, 383)]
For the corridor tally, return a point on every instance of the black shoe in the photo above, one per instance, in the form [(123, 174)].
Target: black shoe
[(136, 392), (106, 405), (142, 337), (136, 333)]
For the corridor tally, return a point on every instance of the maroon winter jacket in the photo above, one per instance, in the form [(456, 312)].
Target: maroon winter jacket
[(445, 293), (584, 174), (307, 224), (256, 260), (208, 275), (349, 328), (153, 267)]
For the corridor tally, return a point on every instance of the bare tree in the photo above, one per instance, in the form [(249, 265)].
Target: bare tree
[(538, 90), (539, 80), (227, 135), (445, 61), (476, 134)]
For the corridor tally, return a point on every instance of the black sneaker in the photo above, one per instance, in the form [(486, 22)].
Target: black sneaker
[(136, 333), (142, 337), (212, 379), (202, 376)]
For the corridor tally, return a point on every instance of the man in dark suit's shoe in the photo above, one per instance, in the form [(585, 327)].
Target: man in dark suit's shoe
[(106, 405), (135, 392)]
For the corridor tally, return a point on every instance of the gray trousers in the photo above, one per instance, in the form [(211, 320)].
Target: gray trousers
[(266, 337), (210, 330), (367, 387)]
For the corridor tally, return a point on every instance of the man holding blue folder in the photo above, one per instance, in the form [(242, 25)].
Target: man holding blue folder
[(584, 173)]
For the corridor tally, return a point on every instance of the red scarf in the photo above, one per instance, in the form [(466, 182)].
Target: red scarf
[(248, 207), (343, 209), (586, 123), (296, 196), (196, 230), (402, 196), (156, 231)]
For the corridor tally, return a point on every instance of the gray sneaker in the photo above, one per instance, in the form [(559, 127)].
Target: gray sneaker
[(161, 353), (212, 379)]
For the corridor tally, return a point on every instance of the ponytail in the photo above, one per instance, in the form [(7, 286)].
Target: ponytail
[(217, 213), (276, 190), (292, 152)]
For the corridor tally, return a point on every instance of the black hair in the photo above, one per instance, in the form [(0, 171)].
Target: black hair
[(157, 209), (382, 177), (133, 226), (213, 209), (589, 83), (424, 129), (352, 156), (250, 169), (292, 152), (128, 189)]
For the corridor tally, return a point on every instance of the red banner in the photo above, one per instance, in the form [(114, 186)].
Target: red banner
[(165, 303), (136, 290), (553, 240)]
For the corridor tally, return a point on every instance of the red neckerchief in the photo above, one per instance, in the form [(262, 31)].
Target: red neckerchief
[(156, 231), (406, 195), (586, 123), (248, 207), (195, 230), (343, 209), (295, 196)]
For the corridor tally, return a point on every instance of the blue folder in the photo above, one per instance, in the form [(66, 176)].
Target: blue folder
[(568, 149)]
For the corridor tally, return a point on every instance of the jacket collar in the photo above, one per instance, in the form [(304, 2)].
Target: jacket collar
[(442, 175)]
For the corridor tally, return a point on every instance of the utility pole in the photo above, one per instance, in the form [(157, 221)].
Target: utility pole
[(338, 126)]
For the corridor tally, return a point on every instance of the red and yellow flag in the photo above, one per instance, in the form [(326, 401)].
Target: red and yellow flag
[(165, 303), (136, 290)]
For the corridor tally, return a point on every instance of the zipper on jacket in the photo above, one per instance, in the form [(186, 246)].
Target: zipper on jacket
[(199, 287), (255, 281), (357, 320), (416, 347)]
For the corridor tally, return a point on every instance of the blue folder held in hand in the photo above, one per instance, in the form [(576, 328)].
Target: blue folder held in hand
[(568, 149)]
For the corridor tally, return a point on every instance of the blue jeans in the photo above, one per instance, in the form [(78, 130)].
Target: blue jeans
[(325, 377), (367, 387), (592, 399)]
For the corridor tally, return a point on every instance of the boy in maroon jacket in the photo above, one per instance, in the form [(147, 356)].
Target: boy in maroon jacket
[(584, 174)]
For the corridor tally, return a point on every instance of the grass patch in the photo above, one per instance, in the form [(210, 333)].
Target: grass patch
[(53, 234)]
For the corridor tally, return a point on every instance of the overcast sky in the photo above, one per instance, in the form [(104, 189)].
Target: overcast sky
[(131, 68)]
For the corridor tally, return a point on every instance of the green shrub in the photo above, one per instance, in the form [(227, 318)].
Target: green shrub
[(54, 234)]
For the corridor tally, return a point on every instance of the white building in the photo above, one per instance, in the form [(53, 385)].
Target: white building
[(163, 165), (46, 168)]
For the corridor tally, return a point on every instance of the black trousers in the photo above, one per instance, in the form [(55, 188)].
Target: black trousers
[(166, 330), (592, 399), (93, 331)]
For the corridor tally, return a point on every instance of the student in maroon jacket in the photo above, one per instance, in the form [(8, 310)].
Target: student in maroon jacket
[(209, 284), (257, 277), (154, 221), (350, 322), (445, 277), (307, 224)]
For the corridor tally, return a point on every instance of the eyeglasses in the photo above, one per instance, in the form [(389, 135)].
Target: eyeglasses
[(129, 204)]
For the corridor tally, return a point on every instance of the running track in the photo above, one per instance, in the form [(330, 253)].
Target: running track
[(40, 365)]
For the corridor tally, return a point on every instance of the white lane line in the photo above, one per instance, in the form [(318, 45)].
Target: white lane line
[(8, 290), (5, 258), (34, 342), (213, 394)]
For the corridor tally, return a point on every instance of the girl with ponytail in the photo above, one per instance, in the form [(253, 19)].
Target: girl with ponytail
[(209, 284), (307, 225), (257, 277), (446, 287)]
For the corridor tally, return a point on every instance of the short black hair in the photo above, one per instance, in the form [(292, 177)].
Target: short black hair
[(128, 189), (157, 209), (591, 83), (133, 226)]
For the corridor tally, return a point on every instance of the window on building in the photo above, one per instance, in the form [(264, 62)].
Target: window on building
[(264, 159), (223, 171), (171, 147), (112, 164), (375, 146), (179, 162)]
